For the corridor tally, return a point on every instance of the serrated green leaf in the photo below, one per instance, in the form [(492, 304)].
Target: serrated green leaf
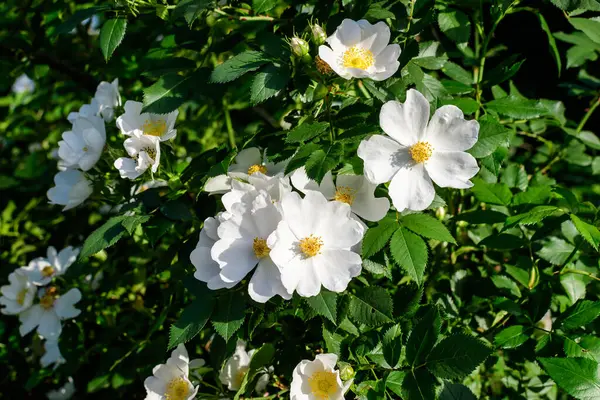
[(457, 356), (555, 250), (574, 286), (589, 232), (410, 252), (325, 304), (458, 73), (456, 391), (239, 65), (580, 377), (166, 94), (377, 237), (427, 226), (455, 24), (111, 36), (105, 236), (578, 315), (392, 345), (372, 306), (533, 216), (419, 384), (132, 222), (533, 195), (511, 337), (551, 42), (306, 132), (515, 176), (482, 217), (504, 282), (502, 241), (261, 6), (300, 157), (492, 193), (322, 161), (517, 107), (192, 320), (268, 82), (590, 27), (192, 9), (423, 337), (229, 314)]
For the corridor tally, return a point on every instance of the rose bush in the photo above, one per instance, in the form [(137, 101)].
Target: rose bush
[(300, 199)]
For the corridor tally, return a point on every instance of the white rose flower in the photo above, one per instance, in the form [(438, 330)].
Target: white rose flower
[(276, 187), (318, 379), (236, 367), (170, 381), (416, 153), (46, 315), (354, 190), (312, 244), (64, 393), (23, 84), (52, 354), (82, 146), (85, 111), (108, 98), (144, 151), (18, 296), (72, 188), (249, 163), (40, 270), (161, 126), (361, 50), (243, 246)]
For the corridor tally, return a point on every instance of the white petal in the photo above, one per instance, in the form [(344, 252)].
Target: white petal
[(387, 73), (374, 37), (405, 122), (388, 58), (302, 215), (266, 282), (30, 319), (127, 168), (245, 159), (50, 326), (308, 284), (383, 157), (218, 184), (452, 169), (348, 33), (331, 58), (365, 204), (448, 130), (329, 360), (302, 182), (64, 305), (336, 228), (338, 267), (235, 257), (411, 189), (206, 267)]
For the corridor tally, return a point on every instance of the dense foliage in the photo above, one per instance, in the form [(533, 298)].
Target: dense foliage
[(489, 291)]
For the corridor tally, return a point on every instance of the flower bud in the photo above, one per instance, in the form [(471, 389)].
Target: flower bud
[(300, 48), (318, 34), (346, 371), (440, 213)]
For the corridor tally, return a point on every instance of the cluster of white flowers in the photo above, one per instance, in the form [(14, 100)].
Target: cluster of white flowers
[(82, 146), (38, 302)]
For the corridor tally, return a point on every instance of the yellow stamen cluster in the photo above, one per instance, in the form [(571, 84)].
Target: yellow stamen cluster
[(47, 300), (323, 384), (421, 152), (345, 194), (154, 128), (177, 389), (242, 373), (311, 245), (257, 168), (47, 271), (151, 152), (355, 57), (260, 247), (21, 296)]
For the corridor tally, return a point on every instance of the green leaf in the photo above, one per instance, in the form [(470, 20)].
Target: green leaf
[(457, 356), (325, 304), (589, 232), (177, 210), (410, 252), (555, 250), (590, 27), (238, 65), (455, 24), (481, 217), (229, 314), (192, 320), (533, 216), (551, 42), (392, 345), (423, 337), (533, 195), (305, 132), (504, 282), (574, 286), (192, 9), (377, 237), (458, 73), (502, 241), (268, 82), (372, 306), (167, 94), (503, 71), (419, 384), (518, 107), (393, 382), (111, 35), (511, 337), (427, 226), (261, 358), (577, 376), (492, 193), (578, 315), (103, 237), (261, 6), (132, 222), (320, 162), (456, 391), (378, 92), (78, 17), (300, 157)]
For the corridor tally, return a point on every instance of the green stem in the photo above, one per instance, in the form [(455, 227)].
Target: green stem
[(588, 114), (230, 131), (570, 257), (410, 17), (580, 272), (247, 18)]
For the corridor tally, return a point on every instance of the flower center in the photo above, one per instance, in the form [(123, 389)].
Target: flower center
[(47, 300), (345, 194), (241, 374), (85, 148), (47, 271), (257, 168), (355, 57), (151, 152), (177, 389), (154, 128), (260, 247), (420, 152), (323, 384), (21, 296), (311, 245)]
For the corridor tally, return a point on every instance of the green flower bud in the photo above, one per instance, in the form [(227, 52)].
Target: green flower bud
[(346, 371), (440, 213), (299, 47), (318, 34)]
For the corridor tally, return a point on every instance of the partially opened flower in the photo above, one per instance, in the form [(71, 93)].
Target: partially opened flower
[(49, 312), (312, 244), (416, 153), (40, 270), (242, 246), (63, 393), (161, 126), (82, 146), (236, 367), (72, 188), (354, 190), (108, 98), (170, 381), (361, 50), (19, 295), (23, 84), (85, 111), (52, 354), (318, 379), (144, 151)]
